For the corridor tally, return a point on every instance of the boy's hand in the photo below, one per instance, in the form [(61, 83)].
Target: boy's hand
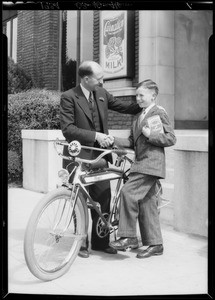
[(146, 131), (108, 141)]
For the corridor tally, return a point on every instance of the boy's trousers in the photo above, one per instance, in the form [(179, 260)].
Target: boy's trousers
[(139, 201)]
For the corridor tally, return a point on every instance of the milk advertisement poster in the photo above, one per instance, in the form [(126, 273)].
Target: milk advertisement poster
[(113, 46)]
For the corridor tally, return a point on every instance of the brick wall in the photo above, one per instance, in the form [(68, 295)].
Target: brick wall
[(96, 31), (25, 40), (37, 47), (120, 121)]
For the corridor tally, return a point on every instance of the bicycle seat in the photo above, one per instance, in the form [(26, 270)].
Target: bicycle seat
[(102, 163)]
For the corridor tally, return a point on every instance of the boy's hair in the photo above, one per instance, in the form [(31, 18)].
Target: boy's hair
[(149, 84)]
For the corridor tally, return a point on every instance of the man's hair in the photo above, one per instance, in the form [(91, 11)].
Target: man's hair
[(149, 84), (85, 69)]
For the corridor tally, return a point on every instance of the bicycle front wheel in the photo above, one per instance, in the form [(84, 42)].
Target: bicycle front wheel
[(54, 235)]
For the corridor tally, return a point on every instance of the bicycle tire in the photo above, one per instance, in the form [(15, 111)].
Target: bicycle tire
[(49, 252)]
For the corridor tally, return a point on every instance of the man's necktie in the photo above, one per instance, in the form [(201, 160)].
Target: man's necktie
[(91, 101), (92, 107)]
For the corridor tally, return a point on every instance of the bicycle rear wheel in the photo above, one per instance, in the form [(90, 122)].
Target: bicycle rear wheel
[(54, 235)]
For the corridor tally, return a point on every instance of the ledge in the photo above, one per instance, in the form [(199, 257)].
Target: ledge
[(125, 91), (191, 140), (187, 140), (42, 134)]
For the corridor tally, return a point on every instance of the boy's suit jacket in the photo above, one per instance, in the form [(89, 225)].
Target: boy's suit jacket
[(149, 152), (76, 119)]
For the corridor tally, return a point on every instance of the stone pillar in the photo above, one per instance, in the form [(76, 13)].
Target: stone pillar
[(41, 162), (156, 54)]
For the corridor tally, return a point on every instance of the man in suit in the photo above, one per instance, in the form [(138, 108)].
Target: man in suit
[(84, 117), (140, 194)]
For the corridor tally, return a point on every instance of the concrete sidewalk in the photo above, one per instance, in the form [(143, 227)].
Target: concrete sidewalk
[(182, 269)]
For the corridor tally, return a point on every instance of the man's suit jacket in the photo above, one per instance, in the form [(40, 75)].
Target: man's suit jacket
[(149, 152), (76, 119)]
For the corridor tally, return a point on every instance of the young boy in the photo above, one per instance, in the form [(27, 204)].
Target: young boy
[(150, 133)]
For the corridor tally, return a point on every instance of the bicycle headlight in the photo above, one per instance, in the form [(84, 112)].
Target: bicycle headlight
[(74, 148), (63, 174)]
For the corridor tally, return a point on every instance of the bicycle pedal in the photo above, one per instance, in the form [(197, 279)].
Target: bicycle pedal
[(89, 205), (115, 223), (129, 248)]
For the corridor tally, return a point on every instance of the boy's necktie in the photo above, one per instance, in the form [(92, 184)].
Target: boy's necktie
[(141, 117)]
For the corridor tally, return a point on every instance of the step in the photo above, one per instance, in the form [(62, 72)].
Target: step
[(169, 176), (169, 155), (168, 190), (167, 215), (167, 212)]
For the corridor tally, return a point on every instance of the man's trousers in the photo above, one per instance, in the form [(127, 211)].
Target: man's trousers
[(100, 192)]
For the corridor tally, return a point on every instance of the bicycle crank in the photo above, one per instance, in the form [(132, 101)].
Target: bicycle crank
[(102, 229)]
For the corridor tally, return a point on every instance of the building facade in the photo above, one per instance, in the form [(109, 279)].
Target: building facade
[(170, 47)]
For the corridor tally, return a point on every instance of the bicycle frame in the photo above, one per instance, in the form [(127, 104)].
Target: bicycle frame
[(83, 178)]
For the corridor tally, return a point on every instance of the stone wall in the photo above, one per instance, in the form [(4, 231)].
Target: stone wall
[(191, 182), (156, 54), (192, 32)]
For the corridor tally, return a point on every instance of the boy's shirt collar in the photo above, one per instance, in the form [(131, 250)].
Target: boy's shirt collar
[(148, 108)]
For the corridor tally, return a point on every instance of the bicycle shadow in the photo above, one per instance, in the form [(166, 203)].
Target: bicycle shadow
[(121, 255), (16, 234)]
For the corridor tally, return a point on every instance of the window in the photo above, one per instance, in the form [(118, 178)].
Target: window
[(86, 51), (69, 49), (77, 44), (10, 29)]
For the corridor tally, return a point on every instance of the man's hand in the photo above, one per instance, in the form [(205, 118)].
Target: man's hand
[(104, 140), (109, 141), (161, 107), (146, 131)]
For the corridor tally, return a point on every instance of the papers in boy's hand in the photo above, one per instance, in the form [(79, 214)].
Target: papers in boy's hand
[(155, 124)]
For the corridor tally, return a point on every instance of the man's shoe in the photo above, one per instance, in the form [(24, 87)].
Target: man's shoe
[(124, 243), (108, 250), (83, 252), (151, 250)]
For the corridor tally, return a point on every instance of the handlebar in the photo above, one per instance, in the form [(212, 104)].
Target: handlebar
[(77, 148)]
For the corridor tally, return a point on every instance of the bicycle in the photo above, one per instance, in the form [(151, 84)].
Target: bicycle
[(59, 222)]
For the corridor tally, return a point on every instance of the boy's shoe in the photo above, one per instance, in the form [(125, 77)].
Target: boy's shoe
[(124, 243), (151, 250), (83, 252)]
